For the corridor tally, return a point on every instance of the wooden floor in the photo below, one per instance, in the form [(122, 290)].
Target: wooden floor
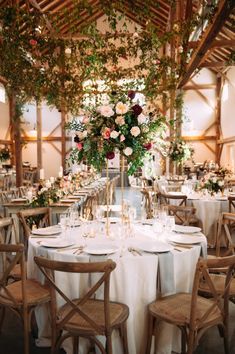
[(11, 338)]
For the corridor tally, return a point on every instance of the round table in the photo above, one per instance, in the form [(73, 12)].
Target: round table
[(133, 282)]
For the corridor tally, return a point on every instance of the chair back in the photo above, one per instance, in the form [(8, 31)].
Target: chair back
[(167, 199), (10, 256), (7, 227), (35, 217), (183, 214), (76, 306), (219, 299), (226, 221), (231, 204)]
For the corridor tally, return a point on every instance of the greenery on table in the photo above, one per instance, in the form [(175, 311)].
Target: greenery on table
[(45, 196), (121, 125), (212, 183)]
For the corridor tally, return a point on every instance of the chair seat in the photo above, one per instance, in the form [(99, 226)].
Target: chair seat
[(35, 292), (95, 310), (175, 309)]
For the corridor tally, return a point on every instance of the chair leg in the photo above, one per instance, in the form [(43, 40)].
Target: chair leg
[(75, 344), (149, 333), (26, 316), (109, 344), (124, 339), (3, 312)]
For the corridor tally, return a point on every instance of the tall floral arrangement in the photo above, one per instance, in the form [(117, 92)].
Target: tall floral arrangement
[(179, 151), (121, 126)]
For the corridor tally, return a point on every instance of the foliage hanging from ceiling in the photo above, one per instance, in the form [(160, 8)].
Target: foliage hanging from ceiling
[(40, 64)]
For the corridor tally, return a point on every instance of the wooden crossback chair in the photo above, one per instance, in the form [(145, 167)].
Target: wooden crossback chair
[(192, 313), (226, 222), (7, 227), (184, 215), (21, 296), (171, 198), (84, 317), (35, 217)]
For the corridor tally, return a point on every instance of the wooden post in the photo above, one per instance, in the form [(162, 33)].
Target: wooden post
[(63, 138), (219, 89), (16, 135), (39, 136)]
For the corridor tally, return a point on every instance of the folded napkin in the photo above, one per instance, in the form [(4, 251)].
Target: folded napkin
[(165, 277)]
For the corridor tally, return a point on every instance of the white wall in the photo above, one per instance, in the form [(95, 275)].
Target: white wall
[(228, 120), (199, 111)]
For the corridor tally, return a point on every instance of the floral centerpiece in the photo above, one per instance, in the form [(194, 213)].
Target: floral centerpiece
[(121, 126), (4, 154), (179, 151), (212, 183), (224, 172), (45, 196)]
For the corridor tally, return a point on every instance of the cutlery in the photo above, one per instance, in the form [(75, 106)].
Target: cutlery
[(134, 251), (62, 249)]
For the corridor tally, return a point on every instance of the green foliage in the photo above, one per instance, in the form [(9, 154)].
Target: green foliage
[(5, 154)]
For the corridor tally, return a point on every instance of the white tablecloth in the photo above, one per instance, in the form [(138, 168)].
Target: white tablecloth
[(133, 282), (208, 211)]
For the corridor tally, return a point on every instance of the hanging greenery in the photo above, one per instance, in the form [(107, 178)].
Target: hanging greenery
[(38, 64)]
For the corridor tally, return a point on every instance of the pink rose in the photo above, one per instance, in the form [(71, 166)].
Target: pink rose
[(122, 138), (79, 146), (106, 133)]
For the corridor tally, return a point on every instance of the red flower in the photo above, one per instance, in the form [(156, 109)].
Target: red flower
[(137, 109), (33, 42), (147, 146), (131, 94), (110, 155), (79, 146)]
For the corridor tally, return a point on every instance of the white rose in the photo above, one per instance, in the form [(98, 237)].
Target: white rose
[(114, 134), (135, 131), (214, 179), (221, 183), (128, 151), (106, 111), (142, 118), (121, 108), (120, 120), (68, 51)]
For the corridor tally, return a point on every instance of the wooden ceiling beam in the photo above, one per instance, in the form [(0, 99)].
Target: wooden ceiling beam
[(199, 87), (216, 44), (223, 11), (48, 23), (199, 138), (213, 64)]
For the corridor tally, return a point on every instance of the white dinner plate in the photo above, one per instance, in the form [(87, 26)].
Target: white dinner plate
[(112, 220), (187, 229), (100, 249), (66, 201), (47, 231), (176, 193), (186, 239), (19, 200), (56, 243), (193, 197), (155, 247)]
